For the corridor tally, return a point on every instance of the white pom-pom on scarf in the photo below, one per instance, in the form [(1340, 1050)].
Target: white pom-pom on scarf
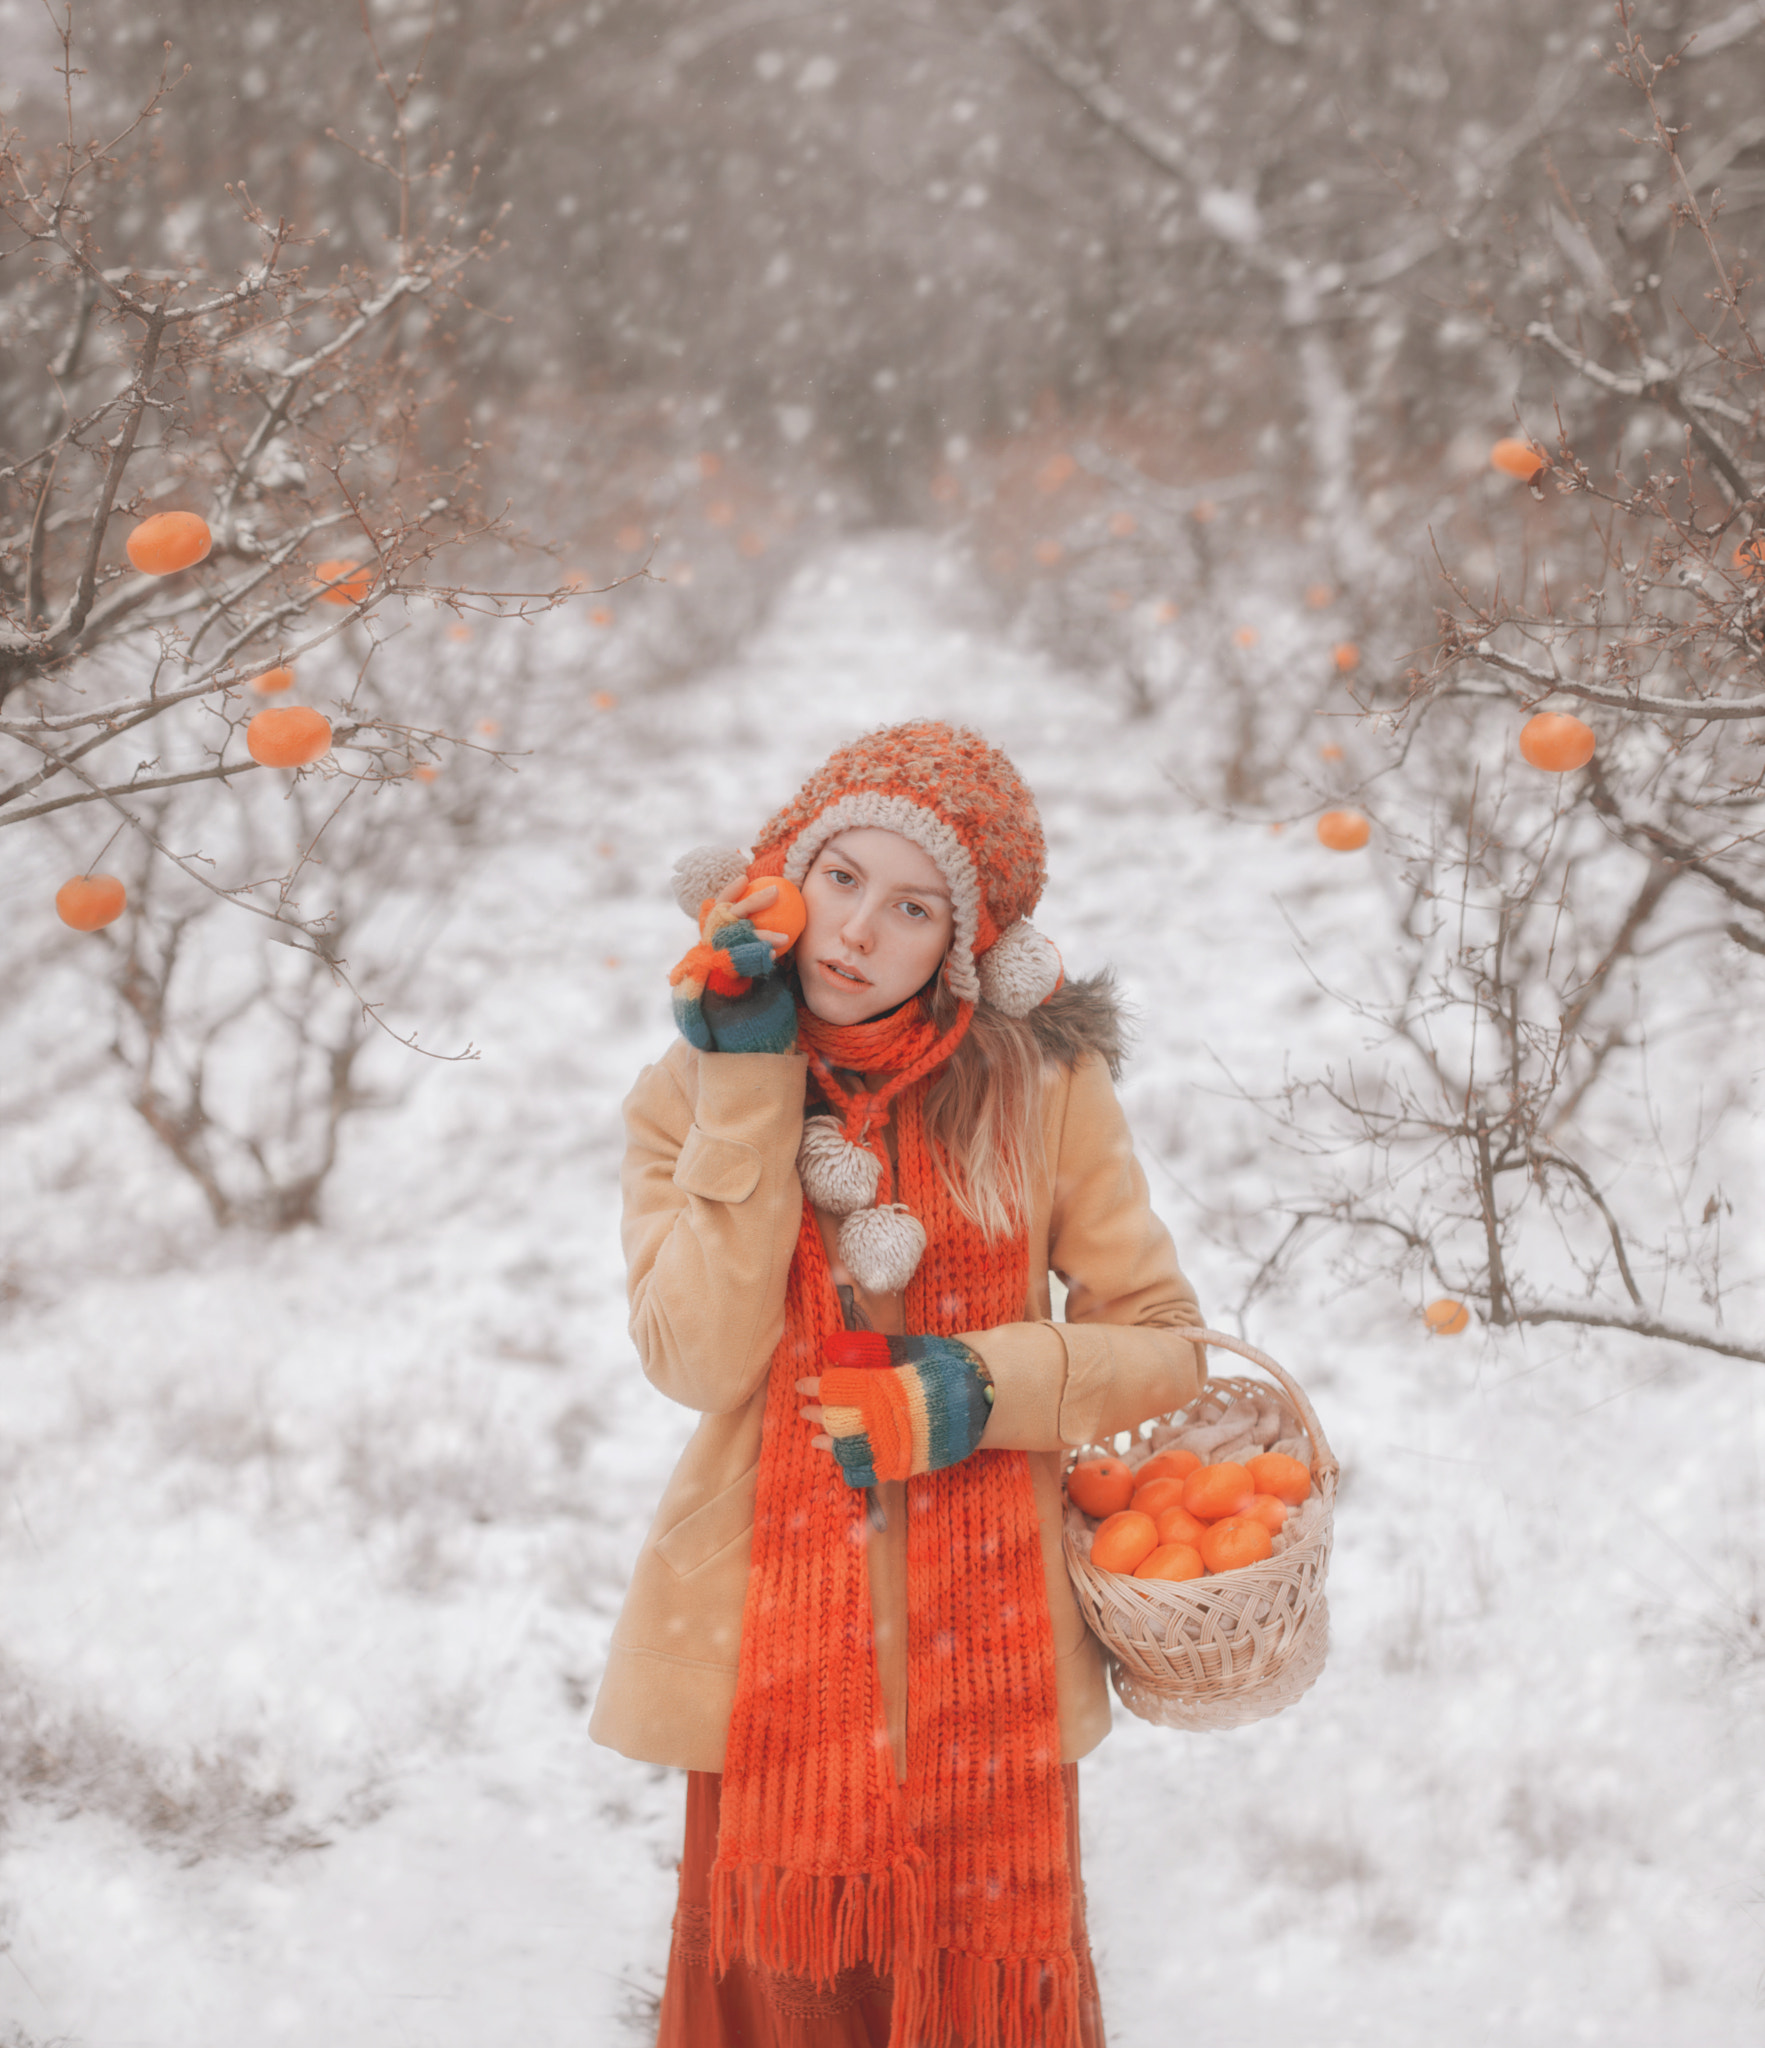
[(1019, 971), (703, 872), (882, 1247), (837, 1175)]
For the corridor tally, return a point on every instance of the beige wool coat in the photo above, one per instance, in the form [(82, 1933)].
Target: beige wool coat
[(712, 1207)]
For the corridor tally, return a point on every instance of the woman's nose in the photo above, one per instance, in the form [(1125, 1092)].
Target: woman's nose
[(855, 930)]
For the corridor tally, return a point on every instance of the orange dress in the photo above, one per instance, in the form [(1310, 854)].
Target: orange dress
[(750, 2008)]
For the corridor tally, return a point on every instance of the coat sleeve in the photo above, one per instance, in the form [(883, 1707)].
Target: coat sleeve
[(1120, 1356), (711, 1211)]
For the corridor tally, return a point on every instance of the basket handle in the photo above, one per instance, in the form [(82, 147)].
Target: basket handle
[(1325, 1459)]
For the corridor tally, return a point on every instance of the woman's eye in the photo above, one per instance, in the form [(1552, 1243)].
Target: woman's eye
[(837, 875), (914, 909)]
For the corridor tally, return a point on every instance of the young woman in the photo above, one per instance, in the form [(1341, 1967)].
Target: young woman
[(845, 1189)]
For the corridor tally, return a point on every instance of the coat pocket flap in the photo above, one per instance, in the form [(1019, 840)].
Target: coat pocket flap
[(696, 1538), (720, 1169)]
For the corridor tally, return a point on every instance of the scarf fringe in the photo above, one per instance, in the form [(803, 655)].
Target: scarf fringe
[(992, 2002), (817, 1923)]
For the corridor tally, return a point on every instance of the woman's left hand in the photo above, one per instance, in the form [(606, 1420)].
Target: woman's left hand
[(891, 1407)]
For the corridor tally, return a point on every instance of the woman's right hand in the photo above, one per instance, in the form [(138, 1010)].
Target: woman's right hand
[(729, 995)]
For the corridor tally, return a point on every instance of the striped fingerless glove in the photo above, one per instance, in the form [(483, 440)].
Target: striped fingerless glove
[(730, 994), (896, 1406)]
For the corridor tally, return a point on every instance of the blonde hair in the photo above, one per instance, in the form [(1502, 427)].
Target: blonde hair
[(983, 1114)]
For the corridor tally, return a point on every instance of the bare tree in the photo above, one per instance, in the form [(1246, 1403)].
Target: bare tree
[(1543, 1129), (140, 689)]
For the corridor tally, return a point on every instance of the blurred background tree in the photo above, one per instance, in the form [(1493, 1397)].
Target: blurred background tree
[(1191, 325)]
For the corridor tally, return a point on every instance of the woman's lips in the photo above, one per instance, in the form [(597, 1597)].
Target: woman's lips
[(842, 976)]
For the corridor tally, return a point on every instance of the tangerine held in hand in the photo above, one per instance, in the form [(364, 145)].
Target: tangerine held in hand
[(1217, 1491), (1177, 1525), (1238, 1540), (787, 912), (1343, 831), (1168, 1465), (1100, 1486), (1172, 1561), (1556, 742), (1286, 1478), (288, 737), (1153, 1496), (1124, 1542), (168, 542), (90, 902)]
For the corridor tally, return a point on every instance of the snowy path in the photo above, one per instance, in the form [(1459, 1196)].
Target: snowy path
[(311, 1548)]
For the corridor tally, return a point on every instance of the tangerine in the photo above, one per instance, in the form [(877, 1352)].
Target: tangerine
[(1177, 1525), (787, 912), (1556, 742), (1100, 1486), (1238, 1540), (1749, 557), (1124, 1541), (1343, 831), (1172, 1561), (346, 582), (288, 737), (1347, 657), (1445, 1317), (1286, 1478), (272, 681), (1153, 1496), (1168, 1465), (89, 902), (1517, 458), (1267, 1510), (168, 542), (1216, 1491)]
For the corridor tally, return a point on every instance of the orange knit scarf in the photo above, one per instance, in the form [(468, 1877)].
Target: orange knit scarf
[(956, 1885)]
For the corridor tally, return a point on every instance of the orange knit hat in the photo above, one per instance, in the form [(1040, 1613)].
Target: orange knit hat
[(960, 801)]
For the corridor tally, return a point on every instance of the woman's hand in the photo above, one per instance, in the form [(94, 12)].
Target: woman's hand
[(891, 1407), (729, 995)]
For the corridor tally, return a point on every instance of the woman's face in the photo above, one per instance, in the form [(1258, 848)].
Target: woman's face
[(879, 923)]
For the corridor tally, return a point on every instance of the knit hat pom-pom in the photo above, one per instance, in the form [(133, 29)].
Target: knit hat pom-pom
[(703, 872), (1019, 971), (882, 1247), (837, 1175)]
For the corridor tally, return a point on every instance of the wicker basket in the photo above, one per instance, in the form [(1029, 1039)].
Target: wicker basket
[(1235, 1646)]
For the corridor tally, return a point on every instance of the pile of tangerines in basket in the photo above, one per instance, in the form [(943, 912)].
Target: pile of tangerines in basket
[(1176, 1518)]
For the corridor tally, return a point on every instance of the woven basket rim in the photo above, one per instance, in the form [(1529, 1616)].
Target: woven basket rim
[(1324, 1460)]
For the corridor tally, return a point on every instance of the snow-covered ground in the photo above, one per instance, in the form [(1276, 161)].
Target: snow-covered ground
[(309, 1548)]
